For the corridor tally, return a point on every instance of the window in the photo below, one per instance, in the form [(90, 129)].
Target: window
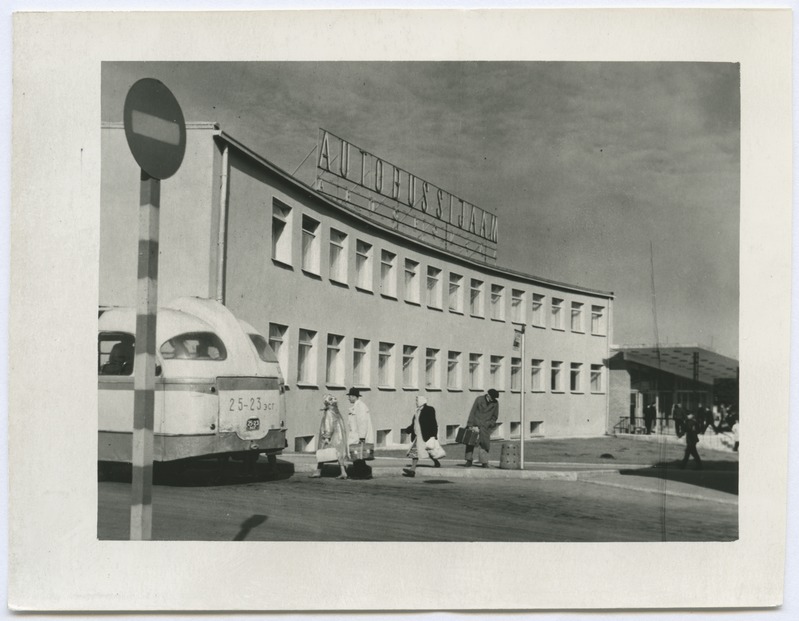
[(596, 378), (360, 362), (554, 384), (116, 353), (411, 281), (385, 365), (194, 346), (335, 360), (498, 302), (454, 370), (577, 317), (388, 274), (516, 374), (277, 341), (455, 293), (310, 245), (475, 371), (281, 232), (431, 379), (538, 310), (265, 352), (497, 372), (598, 320), (363, 265), (433, 287), (409, 377), (557, 318), (536, 375), (306, 357), (517, 306), (476, 297), (575, 377), (338, 256)]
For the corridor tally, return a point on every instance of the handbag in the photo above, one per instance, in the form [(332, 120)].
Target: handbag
[(434, 449), (365, 452), (326, 454)]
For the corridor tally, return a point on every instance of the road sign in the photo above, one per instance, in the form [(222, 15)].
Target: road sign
[(155, 128)]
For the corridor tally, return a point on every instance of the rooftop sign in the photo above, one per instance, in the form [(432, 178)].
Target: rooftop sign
[(391, 195)]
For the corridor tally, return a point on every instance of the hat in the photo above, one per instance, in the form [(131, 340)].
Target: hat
[(493, 393), (354, 392)]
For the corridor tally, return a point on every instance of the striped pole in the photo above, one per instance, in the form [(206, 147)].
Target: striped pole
[(144, 365)]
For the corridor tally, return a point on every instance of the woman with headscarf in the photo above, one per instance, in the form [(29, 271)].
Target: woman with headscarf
[(333, 433), (423, 427)]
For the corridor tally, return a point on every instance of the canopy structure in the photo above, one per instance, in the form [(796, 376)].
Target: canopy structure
[(688, 361)]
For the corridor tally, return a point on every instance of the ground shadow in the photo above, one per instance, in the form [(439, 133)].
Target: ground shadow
[(717, 475), (247, 525), (202, 472)]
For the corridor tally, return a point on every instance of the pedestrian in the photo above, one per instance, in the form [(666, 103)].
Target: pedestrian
[(483, 417), (650, 414), (333, 434), (423, 427), (679, 419), (360, 430), (691, 431), (735, 433)]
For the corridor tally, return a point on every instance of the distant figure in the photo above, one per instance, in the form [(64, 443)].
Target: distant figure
[(679, 419), (735, 433), (691, 429), (650, 415), (423, 427), (483, 417)]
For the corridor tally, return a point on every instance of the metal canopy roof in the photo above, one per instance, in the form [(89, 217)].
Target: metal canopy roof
[(679, 360)]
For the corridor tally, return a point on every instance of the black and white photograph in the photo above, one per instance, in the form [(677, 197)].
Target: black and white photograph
[(343, 296), (513, 282)]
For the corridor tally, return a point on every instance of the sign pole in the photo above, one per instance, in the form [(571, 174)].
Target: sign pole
[(521, 428), (156, 133), (144, 365)]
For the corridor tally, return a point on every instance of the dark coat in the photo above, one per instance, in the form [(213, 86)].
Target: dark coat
[(427, 422), (484, 415), (691, 431)]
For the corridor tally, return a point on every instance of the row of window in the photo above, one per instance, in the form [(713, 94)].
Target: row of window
[(453, 370), (457, 285)]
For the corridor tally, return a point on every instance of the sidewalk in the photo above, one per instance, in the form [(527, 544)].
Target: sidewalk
[(708, 484)]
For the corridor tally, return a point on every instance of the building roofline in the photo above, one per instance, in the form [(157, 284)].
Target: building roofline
[(301, 185), (351, 212)]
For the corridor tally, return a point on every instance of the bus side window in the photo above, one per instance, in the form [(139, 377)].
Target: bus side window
[(115, 354)]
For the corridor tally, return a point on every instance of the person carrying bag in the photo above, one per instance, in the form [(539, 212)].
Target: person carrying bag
[(333, 446), (424, 432)]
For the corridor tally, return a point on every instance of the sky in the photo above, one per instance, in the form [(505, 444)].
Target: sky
[(604, 175)]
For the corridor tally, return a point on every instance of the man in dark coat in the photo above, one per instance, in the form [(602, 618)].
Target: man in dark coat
[(424, 421), (691, 429), (483, 416)]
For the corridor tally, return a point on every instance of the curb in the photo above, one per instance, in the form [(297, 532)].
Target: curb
[(665, 492)]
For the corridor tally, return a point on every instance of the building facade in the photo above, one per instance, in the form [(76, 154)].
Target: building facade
[(346, 300), (695, 378)]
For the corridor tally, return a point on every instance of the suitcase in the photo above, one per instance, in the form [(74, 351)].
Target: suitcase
[(362, 451), (468, 436)]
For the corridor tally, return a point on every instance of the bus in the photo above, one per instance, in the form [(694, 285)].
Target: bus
[(219, 391)]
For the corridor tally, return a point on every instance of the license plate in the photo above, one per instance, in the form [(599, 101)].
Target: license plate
[(253, 424), (250, 401)]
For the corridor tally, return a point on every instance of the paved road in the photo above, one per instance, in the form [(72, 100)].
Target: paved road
[(204, 504)]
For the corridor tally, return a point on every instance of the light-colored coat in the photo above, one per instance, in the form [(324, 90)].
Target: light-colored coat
[(360, 423)]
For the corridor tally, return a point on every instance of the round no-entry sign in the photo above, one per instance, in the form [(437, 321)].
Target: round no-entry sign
[(155, 128)]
